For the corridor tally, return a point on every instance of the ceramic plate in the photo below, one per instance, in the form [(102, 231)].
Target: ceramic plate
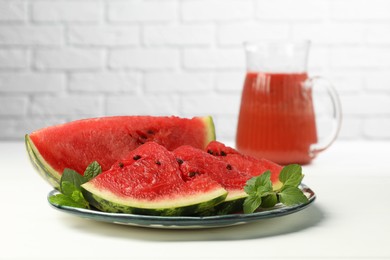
[(186, 222)]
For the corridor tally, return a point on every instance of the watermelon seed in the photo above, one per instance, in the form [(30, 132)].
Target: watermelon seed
[(141, 134), (179, 161), (229, 167), (150, 132), (210, 151), (121, 164), (158, 162), (223, 153), (136, 157), (192, 174)]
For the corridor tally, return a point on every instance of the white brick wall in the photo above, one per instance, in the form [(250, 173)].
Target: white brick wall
[(13, 11), (67, 59), (67, 11)]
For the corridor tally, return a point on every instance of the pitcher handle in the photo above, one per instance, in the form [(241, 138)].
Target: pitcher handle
[(336, 116)]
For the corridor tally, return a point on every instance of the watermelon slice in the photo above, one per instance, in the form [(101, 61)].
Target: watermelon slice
[(149, 182), (245, 163), (195, 162), (108, 139)]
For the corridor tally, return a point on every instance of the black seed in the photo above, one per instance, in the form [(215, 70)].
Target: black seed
[(150, 132), (179, 161), (210, 151), (229, 167), (223, 153), (136, 157), (121, 164), (192, 174), (158, 162), (141, 134)]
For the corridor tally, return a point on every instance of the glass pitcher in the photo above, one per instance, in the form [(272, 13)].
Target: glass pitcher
[(277, 119)]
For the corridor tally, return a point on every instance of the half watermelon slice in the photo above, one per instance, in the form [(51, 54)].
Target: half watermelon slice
[(246, 163), (149, 182), (196, 162), (76, 144), (229, 168)]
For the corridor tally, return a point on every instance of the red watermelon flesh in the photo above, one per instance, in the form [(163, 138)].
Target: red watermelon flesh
[(152, 184), (219, 149), (156, 172), (195, 162), (108, 139), (245, 163)]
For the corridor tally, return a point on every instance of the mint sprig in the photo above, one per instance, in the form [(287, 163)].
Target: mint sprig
[(261, 194), (70, 187), (93, 170)]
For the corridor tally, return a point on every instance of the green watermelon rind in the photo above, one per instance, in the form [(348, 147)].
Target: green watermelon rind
[(183, 206), (39, 163), (210, 126), (232, 204)]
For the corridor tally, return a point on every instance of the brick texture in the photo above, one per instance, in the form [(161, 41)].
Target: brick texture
[(144, 59), (67, 59), (13, 11), (67, 11), (31, 35), (87, 35), (142, 11), (13, 58), (217, 10)]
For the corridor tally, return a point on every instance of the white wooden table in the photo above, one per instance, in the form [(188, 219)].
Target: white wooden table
[(349, 219)]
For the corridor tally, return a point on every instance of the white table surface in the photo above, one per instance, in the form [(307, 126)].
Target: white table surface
[(350, 218)]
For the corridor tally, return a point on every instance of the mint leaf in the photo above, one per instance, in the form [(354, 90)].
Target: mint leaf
[(256, 188), (250, 186), (77, 196), (261, 194), (67, 188), (269, 201), (63, 200), (251, 203), (73, 177), (291, 175), (263, 180), (93, 170), (291, 196), (262, 191), (70, 188)]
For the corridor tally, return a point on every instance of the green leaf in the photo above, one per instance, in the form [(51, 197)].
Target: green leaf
[(261, 191), (63, 200), (269, 201), (70, 187), (251, 203), (77, 196), (67, 188), (291, 175), (251, 181), (256, 188), (250, 186), (93, 170), (292, 196), (73, 177), (264, 180)]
